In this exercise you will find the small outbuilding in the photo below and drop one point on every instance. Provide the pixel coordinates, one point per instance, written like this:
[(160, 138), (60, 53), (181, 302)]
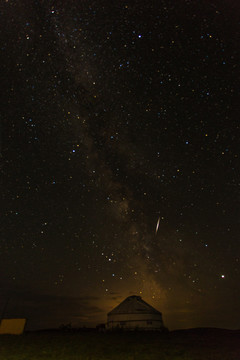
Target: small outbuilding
[(134, 314)]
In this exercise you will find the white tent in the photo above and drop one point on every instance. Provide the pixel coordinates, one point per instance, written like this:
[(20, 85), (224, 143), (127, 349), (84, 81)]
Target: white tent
[(12, 326), (134, 313)]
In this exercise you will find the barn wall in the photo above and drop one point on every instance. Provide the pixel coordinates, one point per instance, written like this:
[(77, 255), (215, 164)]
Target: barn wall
[(133, 321), (141, 325), (12, 326)]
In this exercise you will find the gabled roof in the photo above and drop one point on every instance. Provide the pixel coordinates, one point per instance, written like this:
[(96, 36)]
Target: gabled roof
[(134, 305)]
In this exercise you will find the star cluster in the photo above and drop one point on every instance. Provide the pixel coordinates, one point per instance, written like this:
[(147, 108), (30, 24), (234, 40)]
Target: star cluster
[(117, 114)]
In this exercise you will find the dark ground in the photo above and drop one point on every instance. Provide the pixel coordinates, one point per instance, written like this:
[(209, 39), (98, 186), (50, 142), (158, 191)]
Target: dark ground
[(193, 344)]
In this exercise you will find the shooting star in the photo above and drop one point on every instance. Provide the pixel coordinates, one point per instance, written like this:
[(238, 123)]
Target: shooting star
[(158, 222)]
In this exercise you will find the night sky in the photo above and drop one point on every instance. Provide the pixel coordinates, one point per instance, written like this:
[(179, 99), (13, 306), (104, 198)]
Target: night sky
[(118, 116)]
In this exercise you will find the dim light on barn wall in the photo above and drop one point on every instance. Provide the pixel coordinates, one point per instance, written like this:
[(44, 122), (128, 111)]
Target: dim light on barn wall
[(12, 326)]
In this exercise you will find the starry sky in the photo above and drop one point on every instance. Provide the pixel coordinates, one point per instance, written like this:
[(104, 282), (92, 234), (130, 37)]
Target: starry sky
[(118, 116)]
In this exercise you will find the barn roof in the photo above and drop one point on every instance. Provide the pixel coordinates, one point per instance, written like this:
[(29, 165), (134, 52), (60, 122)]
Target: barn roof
[(134, 305)]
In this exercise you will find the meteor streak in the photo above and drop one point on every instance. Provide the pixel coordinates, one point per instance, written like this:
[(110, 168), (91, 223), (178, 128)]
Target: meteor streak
[(157, 225)]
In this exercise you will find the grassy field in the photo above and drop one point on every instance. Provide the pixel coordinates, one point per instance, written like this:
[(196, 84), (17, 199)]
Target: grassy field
[(195, 344)]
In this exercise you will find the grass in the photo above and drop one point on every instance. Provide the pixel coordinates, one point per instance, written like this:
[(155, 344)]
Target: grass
[(207, 344)]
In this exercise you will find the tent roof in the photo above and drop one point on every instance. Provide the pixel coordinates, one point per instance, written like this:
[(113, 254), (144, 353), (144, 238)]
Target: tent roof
[(134, 305)]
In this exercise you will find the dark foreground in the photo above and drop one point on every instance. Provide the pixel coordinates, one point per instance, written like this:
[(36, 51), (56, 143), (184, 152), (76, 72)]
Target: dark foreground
[(194, 344)]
